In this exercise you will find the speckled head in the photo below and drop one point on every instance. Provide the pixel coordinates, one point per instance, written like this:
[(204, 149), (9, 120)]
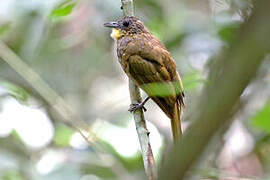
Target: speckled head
[(127, 26)]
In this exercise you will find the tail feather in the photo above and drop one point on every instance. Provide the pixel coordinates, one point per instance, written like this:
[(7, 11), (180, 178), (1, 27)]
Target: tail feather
[(176, 123), (173, 112)]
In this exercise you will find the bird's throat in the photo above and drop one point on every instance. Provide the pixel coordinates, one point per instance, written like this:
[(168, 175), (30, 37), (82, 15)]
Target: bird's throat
[(116, 34)]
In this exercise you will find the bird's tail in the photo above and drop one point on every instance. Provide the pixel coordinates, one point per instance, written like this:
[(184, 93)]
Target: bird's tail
[(173, 110), (176, 122)]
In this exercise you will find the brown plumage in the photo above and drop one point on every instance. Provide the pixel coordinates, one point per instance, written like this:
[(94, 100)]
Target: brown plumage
[(148, 63)]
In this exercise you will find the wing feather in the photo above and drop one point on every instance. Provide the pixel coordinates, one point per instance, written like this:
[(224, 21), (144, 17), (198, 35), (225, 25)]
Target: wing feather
[(151, 78), (154, 70)]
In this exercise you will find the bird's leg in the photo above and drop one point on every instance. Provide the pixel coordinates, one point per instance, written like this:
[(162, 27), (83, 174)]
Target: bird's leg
[(134, 107)]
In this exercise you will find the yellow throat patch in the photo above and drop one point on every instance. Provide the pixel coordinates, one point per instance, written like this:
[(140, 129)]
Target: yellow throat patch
[(116, 34)]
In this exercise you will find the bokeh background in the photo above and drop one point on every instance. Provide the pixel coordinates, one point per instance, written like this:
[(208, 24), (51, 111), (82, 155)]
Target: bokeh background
[(64, 41)]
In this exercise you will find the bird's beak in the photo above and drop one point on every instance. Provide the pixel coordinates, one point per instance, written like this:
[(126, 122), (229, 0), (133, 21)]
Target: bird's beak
[(112, 25)]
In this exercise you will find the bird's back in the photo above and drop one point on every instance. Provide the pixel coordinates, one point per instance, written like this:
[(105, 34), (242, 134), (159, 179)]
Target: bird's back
[(148, 63)]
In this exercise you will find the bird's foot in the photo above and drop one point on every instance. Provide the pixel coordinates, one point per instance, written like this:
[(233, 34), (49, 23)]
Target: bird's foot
[(134, 107)]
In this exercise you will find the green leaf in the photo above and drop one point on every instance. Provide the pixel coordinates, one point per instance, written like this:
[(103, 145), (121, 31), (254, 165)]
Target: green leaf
[(4, 28), (192, 81), (163, 89), (228, 32), (175, 41), (261, 120), (62, 135), (160, 89), (12, 175), (63, 9), (15, 91), (100, 171)]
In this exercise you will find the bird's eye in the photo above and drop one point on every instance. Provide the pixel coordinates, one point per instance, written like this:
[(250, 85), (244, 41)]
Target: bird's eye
[(125, 23)]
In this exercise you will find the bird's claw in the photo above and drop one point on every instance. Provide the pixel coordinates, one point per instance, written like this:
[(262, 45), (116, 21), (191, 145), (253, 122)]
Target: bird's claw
[(134, 107)]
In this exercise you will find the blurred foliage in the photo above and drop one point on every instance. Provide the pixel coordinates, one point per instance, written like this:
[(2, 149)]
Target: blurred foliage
[(62, 135), (12, 175), (102, 172), (130, 163), (190, 82), (65, 42), (261, 120), (63, 9), (228, 32), (4, 28), (14, 90)]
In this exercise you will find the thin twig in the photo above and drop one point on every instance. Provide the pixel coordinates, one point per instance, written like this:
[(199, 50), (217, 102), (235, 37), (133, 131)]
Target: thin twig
[(57, 103), (143, 133), (135, 97)]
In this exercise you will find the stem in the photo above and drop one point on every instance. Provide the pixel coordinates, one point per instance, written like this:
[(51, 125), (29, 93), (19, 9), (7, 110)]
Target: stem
[(135, 97), (143, 133), (128, 7), (57, 103)]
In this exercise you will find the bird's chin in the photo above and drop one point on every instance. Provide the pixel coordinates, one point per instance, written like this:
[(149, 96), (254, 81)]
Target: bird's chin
[(116, 34)]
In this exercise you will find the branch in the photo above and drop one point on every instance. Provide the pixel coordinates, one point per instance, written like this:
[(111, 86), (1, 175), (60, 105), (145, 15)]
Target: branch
[(135, 97), (128, 7), (143, 134), (57, 103), (229, 78)]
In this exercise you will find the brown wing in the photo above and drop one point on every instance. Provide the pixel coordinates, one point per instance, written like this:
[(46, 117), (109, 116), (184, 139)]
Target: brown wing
[(155, 80)]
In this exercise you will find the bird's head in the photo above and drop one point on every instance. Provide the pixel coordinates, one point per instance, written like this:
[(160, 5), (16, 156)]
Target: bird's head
[(129, 25)]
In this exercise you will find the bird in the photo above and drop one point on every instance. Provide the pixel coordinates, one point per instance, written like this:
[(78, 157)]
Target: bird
[(148, 63)]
